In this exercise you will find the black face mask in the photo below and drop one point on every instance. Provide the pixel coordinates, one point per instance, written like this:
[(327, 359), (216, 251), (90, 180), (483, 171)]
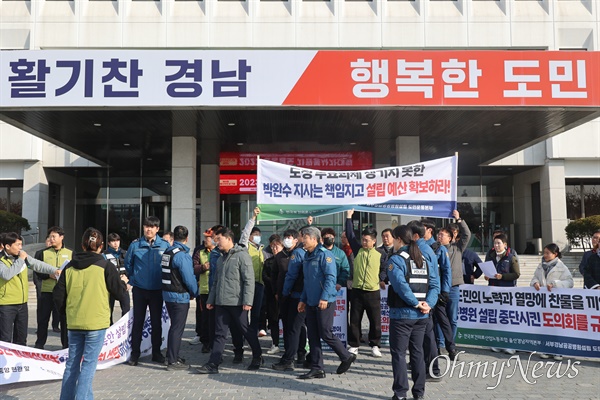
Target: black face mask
[(328, 241)]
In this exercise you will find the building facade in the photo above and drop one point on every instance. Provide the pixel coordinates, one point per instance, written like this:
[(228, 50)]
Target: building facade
[(549, 176)]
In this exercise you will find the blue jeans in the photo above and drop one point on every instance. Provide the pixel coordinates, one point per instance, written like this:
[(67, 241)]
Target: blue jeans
[(452, 313), (79, 374)]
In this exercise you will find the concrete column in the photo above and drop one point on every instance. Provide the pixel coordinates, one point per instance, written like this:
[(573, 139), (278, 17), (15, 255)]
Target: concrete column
[(381, 159), (408, 152), (554, 203), (35, 199), (210, 214), (183, 174)]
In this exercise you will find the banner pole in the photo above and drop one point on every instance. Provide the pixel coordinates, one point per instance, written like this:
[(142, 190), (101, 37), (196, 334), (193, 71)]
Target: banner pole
[(456, 180), (257, 186)]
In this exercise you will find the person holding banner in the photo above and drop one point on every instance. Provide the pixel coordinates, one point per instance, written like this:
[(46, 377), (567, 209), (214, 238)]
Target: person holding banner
[(82, 292), (14, 287), (369, 277), (413, 291), (318, 301), (507, 267)]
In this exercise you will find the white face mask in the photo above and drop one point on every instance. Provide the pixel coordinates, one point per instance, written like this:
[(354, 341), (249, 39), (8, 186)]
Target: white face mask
[(288, 243), (256, 239)]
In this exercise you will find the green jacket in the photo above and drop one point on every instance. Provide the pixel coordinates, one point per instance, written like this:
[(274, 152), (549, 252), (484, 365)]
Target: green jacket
[(83, 289), (14, 287), (56, 258), (369, 269)]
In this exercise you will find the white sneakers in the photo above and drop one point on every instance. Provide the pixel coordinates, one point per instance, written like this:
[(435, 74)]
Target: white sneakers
[(544, 356), (195, 340), (556, 357), (262, 333), (510, 351), (273, 350), (375, 352)]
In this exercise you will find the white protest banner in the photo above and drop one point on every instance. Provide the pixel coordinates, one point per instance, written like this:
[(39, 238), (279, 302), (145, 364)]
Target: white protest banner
[(340, 318), (424, 189), (385, 315), (561, 321), (24, 364)]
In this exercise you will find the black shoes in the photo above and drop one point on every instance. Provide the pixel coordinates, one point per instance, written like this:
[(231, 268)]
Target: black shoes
[(205, 349), (208, 368), (133, 361), (283, 366), (313, 374), (345, 365), (256, 363), (177, 366), (433, 379), (238, 358), (158, 358), (453, 355)]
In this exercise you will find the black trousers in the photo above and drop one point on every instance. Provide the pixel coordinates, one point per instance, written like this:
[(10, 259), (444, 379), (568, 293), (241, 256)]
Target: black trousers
[(142, 299), (125, 306), (45, 309), (440, 318), (226, 317), (255, 312), (408, 334), (319, 324), (202, 320), (272, 314), (178, 314), (13, 324), (430, 349), (294, 331), (370, 302)]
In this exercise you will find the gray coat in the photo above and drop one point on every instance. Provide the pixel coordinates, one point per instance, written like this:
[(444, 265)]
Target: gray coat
[(455, 251), (234, 283)]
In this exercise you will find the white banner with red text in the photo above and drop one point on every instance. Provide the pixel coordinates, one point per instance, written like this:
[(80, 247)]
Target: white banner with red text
[(424, 189), (25, 364), (561, 321)]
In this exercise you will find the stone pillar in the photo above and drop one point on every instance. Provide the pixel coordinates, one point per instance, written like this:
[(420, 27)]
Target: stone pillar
[(381, 159), (35, 199), (210, 211), (408, 152), (554, 203), (183, 174)]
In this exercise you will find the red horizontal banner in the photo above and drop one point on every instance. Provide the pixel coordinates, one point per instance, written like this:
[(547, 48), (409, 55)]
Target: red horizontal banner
[(328, 161), (237, 184), (450, 78)]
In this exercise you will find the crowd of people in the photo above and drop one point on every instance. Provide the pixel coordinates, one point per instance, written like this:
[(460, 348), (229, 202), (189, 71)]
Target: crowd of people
[(243, 288)]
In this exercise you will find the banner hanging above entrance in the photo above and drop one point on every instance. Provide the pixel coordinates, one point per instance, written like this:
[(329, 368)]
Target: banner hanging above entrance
[(425, 189), (247, 78)]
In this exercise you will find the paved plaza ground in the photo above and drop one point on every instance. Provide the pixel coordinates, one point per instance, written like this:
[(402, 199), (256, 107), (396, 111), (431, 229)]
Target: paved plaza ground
[(369, 378)]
